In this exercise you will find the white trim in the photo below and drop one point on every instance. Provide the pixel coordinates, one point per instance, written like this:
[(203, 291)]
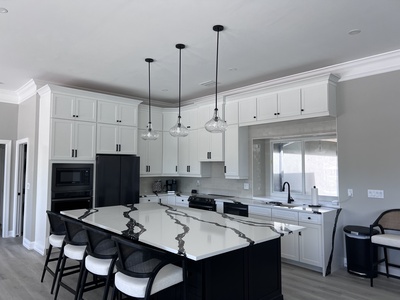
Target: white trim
[(18, 143), (6, 195)]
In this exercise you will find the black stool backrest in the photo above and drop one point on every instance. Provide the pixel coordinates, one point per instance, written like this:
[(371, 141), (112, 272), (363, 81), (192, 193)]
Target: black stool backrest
[(75, 234), (100, 244), (57, 225)]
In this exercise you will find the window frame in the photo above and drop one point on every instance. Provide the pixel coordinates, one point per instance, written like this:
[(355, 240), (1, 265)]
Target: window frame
[(301, 196)]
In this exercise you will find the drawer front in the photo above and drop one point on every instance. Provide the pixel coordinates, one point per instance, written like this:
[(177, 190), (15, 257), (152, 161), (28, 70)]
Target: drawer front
[(260, 211), (285, 214), (181, 201), (310, 218)]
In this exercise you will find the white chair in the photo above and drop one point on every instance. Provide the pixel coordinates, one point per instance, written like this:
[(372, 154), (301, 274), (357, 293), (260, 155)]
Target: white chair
[(144, 271), (56, 240), (74, 249), (388, 224), (100, 261)]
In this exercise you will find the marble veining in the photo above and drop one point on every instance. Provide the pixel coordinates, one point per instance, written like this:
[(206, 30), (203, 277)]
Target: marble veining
[(195, 233)]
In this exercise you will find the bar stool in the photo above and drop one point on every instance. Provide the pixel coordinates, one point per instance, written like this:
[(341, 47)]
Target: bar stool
[(56, 240), (143, 271), (100, 260), (74, 249)]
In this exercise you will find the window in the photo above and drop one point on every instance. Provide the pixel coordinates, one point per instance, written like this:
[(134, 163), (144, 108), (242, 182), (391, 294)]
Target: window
[(305, 163)]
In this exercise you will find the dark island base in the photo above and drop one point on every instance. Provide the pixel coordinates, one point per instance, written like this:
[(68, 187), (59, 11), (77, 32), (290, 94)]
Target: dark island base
[(251, 273)]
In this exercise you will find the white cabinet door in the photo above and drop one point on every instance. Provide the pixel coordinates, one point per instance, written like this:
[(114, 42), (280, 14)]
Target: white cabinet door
[(85, 146), (188, 162), (127, 115), (190, 118), (74, 108), (127, 140), (210, 145), (170, 154), (289, 103), (314, 99), (150, 153), (156, 118), (236, 152), (267, 107), (248, 110), (73, 140), (182, 201), (63, 106), (117, 113), (310, 244), (107, 138), (62, 139), (107, 112), (289, 243), (232, 113), (85, 109)]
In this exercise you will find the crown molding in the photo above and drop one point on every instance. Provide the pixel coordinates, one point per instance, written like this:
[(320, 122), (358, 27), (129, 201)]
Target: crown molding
[(359, 68)]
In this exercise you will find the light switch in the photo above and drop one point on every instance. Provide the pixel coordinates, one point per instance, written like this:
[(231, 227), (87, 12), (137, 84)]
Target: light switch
[(246, 186), (376, 194)]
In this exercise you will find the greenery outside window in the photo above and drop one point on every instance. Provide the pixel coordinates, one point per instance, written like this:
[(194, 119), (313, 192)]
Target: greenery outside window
[(305, 163)]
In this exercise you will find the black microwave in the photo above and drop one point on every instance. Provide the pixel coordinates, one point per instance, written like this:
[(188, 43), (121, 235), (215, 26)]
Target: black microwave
[(72, 177)]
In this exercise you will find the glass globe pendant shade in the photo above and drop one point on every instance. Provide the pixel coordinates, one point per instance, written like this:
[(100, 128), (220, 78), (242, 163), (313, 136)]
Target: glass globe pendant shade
[(179, 130), (150, 134), (216, 124)]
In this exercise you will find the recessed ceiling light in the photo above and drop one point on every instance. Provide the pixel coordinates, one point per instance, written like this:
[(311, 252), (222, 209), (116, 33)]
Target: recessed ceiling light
[(3, 10), (354, 32)]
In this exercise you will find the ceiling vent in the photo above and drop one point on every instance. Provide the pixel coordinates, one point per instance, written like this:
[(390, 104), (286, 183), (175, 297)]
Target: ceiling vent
[(208, 83)]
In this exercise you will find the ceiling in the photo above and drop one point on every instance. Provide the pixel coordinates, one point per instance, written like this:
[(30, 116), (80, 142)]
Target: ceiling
[(101, 45)]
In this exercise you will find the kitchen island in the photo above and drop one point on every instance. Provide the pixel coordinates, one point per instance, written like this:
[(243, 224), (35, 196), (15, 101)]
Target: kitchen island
[(228, 257)]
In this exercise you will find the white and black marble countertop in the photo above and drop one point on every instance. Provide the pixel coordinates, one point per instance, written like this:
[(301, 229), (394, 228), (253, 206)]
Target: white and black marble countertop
[(198, 234)]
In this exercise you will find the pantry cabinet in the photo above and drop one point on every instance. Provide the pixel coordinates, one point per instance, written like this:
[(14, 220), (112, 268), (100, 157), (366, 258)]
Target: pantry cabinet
[(150, 152)]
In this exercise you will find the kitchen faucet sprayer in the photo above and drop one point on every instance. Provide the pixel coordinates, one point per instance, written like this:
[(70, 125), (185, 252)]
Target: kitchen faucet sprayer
[(289, 199)]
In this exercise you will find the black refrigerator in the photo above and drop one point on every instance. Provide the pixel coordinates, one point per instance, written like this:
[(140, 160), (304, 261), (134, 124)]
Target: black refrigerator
[(117, 179)]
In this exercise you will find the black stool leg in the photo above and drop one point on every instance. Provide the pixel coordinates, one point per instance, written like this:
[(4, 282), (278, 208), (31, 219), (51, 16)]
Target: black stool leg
[(57, 270), (46, 262), (60, 275)]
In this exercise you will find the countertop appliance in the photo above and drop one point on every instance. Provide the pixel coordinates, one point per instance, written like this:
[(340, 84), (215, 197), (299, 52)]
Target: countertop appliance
[(171, 185), (71, 186), (236, 208), (117, 179), (202, 201)]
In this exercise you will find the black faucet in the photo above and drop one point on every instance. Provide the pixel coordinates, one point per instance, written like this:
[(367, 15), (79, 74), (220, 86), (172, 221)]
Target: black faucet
[(289, 198)]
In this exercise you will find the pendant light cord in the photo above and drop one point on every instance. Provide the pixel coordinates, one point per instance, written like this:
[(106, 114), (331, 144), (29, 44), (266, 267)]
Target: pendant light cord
[(216, 73), (149, 95), (180, 79)]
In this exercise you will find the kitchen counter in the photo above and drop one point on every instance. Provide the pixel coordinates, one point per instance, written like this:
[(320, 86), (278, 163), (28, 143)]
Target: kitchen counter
[(227, 255), (198, 234)]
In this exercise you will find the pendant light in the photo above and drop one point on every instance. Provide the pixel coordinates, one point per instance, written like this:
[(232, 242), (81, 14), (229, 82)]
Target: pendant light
[(150, 134), (216, 124), (179, 130)]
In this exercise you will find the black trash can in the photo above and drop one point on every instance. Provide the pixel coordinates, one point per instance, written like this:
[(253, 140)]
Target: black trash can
[(358, 241)]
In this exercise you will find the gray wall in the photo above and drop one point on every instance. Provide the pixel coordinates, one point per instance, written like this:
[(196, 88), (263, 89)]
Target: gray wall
[(368, 145), (27, 116)]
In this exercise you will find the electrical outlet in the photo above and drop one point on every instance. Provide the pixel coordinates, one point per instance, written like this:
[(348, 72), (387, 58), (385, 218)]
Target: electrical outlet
[(246, 186), (376, 194), (350, 193)]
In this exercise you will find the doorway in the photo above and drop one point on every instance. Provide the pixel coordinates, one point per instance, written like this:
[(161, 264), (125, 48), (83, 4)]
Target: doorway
[(5, 175), (20, 186)]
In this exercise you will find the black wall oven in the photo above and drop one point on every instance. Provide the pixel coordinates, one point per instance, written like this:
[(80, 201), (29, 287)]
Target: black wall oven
[(71, 186)]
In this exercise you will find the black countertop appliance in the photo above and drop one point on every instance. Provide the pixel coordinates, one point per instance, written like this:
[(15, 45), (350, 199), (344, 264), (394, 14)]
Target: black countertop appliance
[(117, 180), (171, 185)]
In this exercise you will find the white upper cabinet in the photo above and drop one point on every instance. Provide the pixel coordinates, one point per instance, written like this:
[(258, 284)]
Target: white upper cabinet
[(210, 145), (73, 108), (312, 97), (170, 144), (156, 117), (72, 140), (112, 139), (117, 113), (150, 152), (190, 118)]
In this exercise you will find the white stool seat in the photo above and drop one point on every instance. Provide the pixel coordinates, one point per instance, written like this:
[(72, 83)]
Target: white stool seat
[(56, 240), (97, 266), (168, 276), (74, 251), (387, 239)]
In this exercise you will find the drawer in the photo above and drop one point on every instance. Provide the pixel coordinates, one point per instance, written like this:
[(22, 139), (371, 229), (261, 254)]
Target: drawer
[(310, 218), (260, 211), (285, 214), (181, 201)]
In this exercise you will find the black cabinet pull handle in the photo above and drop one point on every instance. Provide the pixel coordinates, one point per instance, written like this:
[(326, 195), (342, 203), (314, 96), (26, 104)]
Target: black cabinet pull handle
[(72, 154), (254, 117), (176, 168), (76, 153), (302, 109), (224, 169), (274, 114), (119, 147), (116, 147), (73, 116), (299, 233), (309, 218), (76, 116)]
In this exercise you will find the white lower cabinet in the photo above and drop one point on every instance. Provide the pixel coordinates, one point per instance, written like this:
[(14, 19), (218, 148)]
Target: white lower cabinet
[(310, 244), (182, 201)]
